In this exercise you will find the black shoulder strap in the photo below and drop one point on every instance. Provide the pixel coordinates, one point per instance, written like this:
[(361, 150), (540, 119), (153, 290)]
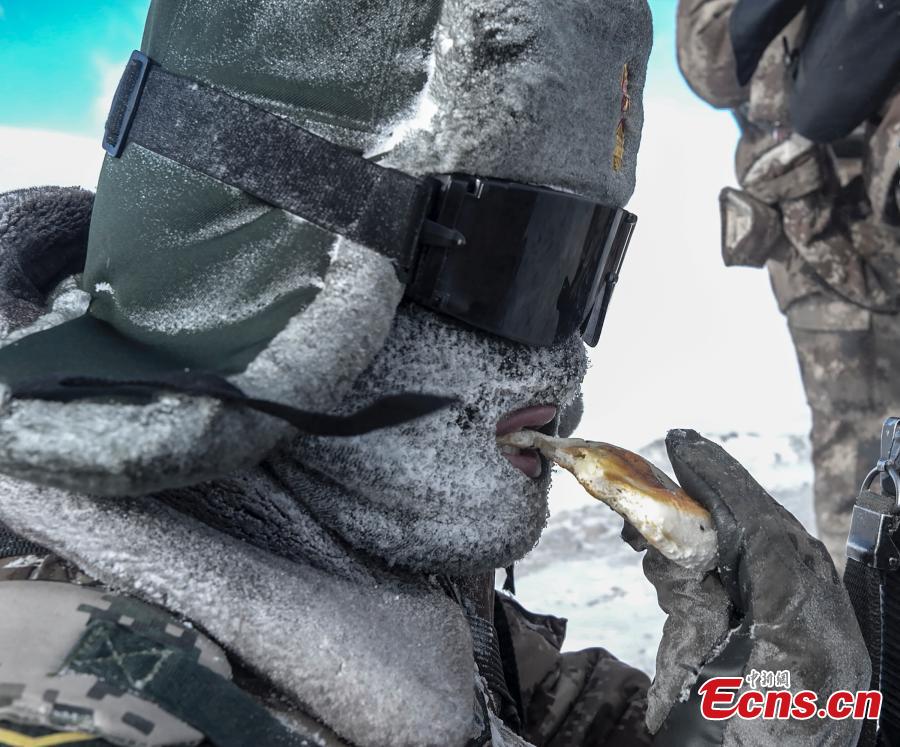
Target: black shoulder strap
[(267, 156), (872, 578)]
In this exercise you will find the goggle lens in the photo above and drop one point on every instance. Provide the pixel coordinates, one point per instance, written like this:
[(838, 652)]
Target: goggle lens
[(536, 265)]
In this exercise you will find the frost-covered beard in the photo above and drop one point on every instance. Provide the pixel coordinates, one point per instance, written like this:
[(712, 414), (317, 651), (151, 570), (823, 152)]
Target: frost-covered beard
[(435, 495)]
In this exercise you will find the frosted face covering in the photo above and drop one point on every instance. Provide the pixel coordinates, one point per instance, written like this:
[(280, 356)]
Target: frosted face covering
[(529, 264), (436, 494)]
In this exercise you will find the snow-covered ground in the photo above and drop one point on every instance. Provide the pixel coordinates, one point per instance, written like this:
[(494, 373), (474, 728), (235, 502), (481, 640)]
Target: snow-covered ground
[(583, 571)]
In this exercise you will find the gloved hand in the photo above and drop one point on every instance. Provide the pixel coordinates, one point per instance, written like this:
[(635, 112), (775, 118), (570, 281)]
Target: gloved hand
[(775, 603)]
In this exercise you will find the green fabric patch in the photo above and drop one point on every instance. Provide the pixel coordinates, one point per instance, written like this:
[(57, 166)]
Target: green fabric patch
[(186, 272), (349, 64), (127, 661), (118, 658), (82, 347), (88, 347), (200, 273)]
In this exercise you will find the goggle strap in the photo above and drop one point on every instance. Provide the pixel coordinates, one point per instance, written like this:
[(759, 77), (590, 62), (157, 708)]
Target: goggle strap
[(270, 158)]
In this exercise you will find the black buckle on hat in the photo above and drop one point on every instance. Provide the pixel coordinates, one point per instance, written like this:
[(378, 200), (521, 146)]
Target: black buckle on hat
[(125, 103), (439, 229)]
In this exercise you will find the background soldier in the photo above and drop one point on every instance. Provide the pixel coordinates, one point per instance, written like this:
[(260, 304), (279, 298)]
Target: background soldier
[(819, 209)]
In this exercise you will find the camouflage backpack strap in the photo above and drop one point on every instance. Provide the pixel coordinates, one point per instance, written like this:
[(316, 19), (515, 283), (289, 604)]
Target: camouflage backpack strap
[(101, 665)]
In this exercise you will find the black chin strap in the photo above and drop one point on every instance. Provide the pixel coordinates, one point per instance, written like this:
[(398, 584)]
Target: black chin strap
[(383, 413)]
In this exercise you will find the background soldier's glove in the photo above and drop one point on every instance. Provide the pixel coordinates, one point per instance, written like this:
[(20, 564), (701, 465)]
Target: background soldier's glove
[(775, 603)]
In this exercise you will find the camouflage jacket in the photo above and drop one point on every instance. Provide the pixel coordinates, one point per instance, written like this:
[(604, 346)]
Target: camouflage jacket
[(82, 665), (825, 217)]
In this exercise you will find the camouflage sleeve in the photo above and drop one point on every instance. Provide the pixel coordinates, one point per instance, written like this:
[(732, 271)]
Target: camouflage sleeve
[(593, 698), (571, 699), (882, 164), (705, 55)]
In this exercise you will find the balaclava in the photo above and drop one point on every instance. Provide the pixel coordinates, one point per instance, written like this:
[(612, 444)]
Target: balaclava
[(436, 495)]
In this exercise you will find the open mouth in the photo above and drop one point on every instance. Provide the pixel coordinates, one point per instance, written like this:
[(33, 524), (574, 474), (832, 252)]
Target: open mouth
[(539, 418)]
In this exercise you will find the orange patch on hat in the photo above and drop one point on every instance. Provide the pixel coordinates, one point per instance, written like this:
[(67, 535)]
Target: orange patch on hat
[(619, 150)]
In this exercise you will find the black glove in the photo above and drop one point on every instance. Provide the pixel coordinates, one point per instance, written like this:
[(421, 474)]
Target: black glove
[(775, 603)]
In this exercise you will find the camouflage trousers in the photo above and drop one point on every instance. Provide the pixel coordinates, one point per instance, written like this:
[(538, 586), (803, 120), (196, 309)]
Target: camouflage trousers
[(850, 363)]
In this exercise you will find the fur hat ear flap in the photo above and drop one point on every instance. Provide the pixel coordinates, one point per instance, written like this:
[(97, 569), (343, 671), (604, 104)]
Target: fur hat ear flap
[(43, 242)]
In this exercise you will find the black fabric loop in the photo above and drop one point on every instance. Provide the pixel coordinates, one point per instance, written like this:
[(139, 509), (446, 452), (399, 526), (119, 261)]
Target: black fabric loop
[(383, 413)]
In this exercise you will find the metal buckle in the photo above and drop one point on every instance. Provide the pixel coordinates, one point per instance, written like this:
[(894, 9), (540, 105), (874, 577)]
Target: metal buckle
[(876, 517), (871, 538), (888, 465), (125, 103)]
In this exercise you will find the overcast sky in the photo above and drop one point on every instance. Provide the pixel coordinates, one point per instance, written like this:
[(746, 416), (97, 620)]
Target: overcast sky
[(686, 343)]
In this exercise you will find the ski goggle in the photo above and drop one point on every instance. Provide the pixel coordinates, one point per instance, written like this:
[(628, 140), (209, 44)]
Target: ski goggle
[(529, 264)]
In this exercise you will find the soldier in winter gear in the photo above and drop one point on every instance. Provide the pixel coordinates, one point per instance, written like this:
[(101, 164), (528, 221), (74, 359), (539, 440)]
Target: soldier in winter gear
[(819, 168), (180, 566)]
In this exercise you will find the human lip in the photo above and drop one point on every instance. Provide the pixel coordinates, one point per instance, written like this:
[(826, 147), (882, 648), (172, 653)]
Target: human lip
[(528, 461)]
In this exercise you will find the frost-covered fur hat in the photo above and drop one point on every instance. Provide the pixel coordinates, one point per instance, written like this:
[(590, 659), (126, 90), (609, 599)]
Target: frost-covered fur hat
[(184, 273)]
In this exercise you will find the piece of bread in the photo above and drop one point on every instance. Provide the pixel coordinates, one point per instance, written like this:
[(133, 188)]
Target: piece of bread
[(668, 518)]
